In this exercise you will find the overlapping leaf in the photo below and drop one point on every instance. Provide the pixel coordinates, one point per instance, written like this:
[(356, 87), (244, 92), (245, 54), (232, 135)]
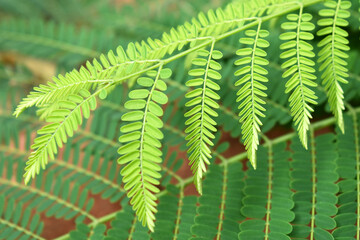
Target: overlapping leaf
[(251, 93), (125, 226), (141, 154), (219, 206), (333, 53), (17, 222), (63, 123), (314, 176), (84, 232), (268, 197), (51, 193), (200, 116), (176, 215), (138, 58), (299, 69), (348, 220)]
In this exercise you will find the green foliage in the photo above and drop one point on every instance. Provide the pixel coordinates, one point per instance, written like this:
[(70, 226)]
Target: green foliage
[(201, 113), (252, 90), (299, 69), (333, 54), (49, 40), (176, 215), (142, 136), (222, 188), (315, 186), (294, 193), (125, 226), (63, 121), (268, 197), (84, 232), (16, 221), (348, 145), (55, 198)]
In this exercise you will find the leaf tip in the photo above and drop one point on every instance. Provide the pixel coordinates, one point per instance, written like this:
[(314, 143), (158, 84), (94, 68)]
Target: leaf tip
[(27, 178), (341, 126), (16, 113), (198, 185), (253, 162)]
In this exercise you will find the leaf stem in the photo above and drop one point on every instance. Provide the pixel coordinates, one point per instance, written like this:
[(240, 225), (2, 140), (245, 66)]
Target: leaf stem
[(269, 187), (21, 229), (313, 181)]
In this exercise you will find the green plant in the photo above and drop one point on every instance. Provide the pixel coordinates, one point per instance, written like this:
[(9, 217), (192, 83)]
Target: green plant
[(307, 190)]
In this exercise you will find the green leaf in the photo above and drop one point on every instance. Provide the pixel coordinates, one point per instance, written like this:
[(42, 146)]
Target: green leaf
[(201, 101), (159, 97), (251, 90), (145, 81), (299, 68), (332, 65), (139, 94), (132, 116), (140, 154)]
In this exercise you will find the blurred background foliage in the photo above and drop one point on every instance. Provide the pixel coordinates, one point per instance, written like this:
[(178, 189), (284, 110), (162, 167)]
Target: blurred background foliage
[(39, 39)]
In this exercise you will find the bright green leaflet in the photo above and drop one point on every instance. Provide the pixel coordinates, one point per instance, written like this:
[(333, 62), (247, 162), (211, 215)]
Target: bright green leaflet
[(69, 98)]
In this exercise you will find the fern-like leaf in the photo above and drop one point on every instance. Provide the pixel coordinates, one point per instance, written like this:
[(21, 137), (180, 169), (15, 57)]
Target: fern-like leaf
[(125, 226), (12, 228), (53, 193), (176, 215), (333, 54), (84, 232), (72, 83), (63, 123), (269, 212), (200, 122), (251, 92), (314, 178), (348, 167), (299, 69), (61, 42), (142, 136), (223, 188)]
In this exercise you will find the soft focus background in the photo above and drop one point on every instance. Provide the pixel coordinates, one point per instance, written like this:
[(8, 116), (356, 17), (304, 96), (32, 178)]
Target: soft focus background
[(40, 39)]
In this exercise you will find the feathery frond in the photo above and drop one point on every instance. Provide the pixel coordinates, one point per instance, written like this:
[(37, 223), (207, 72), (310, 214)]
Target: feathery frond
[(314, 178), (63, 123), (141, 155), (300, 69), (61, 42), (84, 232), (269, 212), (176, 215), (348, 220), (54, 196), (222, 188), (17, 222), (200, 122), (333, 54), (252, 90), (315, 190), (50, 95), (125, 226)]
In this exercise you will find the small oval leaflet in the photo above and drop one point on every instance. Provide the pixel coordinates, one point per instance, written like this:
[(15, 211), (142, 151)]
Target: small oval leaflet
[(139, 94), (165, 73), (159, 97), (133, 116), (161, 85), (145, 81), (155, 109), (135, 104), (103, 94), (216, 54)]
